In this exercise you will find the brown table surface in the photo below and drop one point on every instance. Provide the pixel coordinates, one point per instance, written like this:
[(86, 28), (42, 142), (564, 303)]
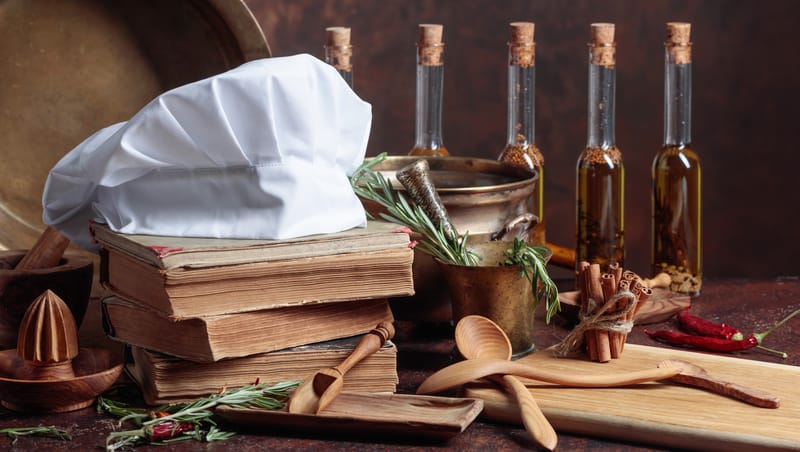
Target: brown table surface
[(751, 305)]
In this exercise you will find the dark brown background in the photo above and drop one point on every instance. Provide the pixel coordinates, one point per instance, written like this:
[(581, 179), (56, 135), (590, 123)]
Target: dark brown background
[(745, 103)]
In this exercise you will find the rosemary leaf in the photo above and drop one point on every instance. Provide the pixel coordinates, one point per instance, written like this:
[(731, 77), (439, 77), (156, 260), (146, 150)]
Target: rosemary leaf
[(177, 422), (52, 432)]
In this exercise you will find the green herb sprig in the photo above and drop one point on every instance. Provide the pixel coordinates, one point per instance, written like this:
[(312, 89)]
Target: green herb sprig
[(531, 261), (372, 186), (52, 432), (186, 421)]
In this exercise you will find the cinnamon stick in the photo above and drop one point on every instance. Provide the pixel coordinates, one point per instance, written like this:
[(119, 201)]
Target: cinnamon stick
[(46, 252), (608, 283), (596, 294), (583, 289)]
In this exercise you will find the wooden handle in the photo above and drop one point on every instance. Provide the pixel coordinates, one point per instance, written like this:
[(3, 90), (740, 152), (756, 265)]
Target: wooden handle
[(532, 417), (562, 256), (369, 344), (662, 280), (46, 252), (472, 369), (753, 396)]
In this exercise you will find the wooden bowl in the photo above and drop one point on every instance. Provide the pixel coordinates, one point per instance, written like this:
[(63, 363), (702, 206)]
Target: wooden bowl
[(71, 280), (95, 371)]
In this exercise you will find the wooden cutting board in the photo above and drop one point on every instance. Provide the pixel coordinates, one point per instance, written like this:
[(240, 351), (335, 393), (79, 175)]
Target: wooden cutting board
[(663, 414)]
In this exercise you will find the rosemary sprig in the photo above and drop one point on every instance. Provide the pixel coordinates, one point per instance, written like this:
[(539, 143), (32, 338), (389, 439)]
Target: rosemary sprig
[(185, 421), (52, 432), (531, 261), (372, 186)]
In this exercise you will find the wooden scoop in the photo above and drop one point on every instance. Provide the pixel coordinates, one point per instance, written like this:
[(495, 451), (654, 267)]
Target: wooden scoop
[(694, 375), (465, 371), (479, 337), (319, 390)]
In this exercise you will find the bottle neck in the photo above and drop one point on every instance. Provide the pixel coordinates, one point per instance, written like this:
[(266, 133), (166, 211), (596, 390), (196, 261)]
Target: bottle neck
[(677, 101), (521, 103), (339, 56), (430, 82), (602, 92)]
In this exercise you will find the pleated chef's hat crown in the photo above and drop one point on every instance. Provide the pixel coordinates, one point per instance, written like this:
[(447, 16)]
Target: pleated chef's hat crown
[(261, 151)]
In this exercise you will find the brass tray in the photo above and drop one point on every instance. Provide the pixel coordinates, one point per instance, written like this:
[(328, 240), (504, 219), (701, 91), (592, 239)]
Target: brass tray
[(72, 67)]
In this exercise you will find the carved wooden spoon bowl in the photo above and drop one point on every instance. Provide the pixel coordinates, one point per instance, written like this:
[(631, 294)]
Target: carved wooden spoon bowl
[(321, 388), (478, 337)]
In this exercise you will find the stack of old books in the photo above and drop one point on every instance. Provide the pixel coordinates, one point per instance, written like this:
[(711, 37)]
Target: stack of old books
[(201, 314)]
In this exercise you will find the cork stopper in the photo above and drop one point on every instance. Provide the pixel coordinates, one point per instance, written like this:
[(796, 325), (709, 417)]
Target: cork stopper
[(603, 47), (522, 49), (337, 45), (679, 44), (430, 46)]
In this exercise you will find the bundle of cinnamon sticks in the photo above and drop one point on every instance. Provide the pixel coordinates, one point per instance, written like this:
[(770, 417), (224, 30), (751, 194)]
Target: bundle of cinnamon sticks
[(609, 303)]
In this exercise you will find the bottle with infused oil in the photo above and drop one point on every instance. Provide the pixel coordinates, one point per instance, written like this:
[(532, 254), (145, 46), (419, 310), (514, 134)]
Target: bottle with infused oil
[(676, 203), (600, 173), (430, 87), (338, 51), (520, 146)]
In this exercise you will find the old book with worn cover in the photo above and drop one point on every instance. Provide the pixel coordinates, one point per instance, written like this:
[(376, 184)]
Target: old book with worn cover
[(167, 379), (186, 292), (216, 337), (197, 252)]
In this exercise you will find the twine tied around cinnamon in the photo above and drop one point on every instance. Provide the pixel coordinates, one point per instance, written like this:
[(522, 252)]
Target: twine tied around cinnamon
[(593, 317), (609, 303)]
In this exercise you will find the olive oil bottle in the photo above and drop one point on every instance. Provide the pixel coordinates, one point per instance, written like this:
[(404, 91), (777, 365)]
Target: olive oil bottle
[(429, 95), (339, 51), (676, 174), (600, 172), (520, 146)]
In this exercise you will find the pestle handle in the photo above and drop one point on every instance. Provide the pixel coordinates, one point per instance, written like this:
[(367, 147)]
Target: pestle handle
[(46, 252), (416, 179)]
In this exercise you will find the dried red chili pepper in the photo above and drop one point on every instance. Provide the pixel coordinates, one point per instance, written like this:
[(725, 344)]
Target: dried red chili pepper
[(170, 429), (717, 343), (707, 343), (698, 325)]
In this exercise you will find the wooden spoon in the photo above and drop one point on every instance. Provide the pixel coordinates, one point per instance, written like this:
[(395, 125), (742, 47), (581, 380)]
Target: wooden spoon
[(479, 337), (465, 371), (319, 390), (694, 375)]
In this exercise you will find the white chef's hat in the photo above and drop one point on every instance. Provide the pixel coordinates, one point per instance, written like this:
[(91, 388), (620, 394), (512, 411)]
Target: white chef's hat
[(261, 151)]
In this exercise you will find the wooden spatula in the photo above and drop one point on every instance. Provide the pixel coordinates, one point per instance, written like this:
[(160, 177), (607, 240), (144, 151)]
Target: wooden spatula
[(320, 389)]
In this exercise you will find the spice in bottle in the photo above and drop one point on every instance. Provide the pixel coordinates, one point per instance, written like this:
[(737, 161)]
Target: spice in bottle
[(600, 173), (430, 87), (520, 146), (676, 174), (338, 51)]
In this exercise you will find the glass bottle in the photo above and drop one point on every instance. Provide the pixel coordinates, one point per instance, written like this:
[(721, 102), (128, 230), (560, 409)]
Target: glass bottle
[(338, 51), (676, 203), (520, 148), (430, 84), (600, 172)]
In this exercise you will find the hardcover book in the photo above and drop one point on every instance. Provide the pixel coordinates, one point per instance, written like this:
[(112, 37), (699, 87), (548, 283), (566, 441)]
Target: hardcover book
[(212, 338), (186, 292), (167, 252), (167, 379)]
